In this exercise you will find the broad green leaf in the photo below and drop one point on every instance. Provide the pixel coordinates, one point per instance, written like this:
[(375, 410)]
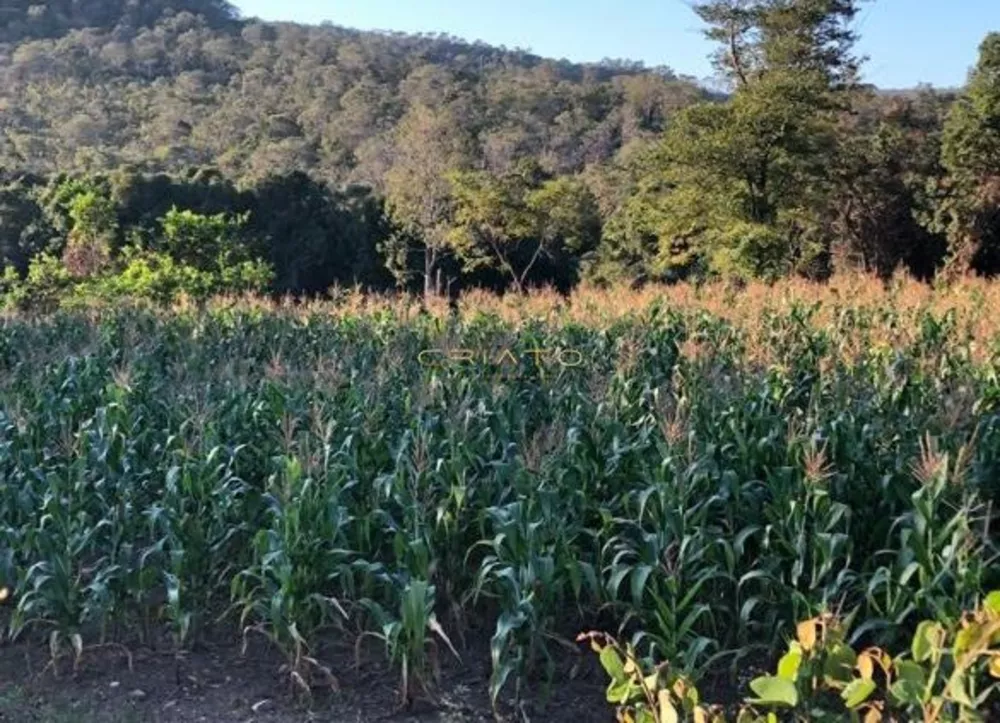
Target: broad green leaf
[(620, 692), (857, 692), (967, 637), (958, 691), (613, 665), (992, 602), (925, 641), (772, 690), (788, 666), (910, 683), (838, 668)]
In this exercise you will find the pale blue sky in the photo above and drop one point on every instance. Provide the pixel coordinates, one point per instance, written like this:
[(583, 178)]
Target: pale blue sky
[(908, 41)]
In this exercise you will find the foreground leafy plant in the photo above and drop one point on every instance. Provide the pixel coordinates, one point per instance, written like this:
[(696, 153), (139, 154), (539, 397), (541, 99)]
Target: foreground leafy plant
[(948, 676), (643, 693)]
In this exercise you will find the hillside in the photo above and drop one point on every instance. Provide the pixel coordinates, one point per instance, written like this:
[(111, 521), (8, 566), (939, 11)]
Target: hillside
[(174, 83), (135, 136)]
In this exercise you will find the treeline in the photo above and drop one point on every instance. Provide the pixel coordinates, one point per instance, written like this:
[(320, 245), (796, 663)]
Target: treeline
[(324, 157), (159, 236), (199, 233)]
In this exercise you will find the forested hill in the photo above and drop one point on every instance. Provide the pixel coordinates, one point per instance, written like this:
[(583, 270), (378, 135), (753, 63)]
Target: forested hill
[(167, 147), (27, 19), (169, 84)]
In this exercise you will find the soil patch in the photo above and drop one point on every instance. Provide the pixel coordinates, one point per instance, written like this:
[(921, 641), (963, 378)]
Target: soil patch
[(217, 683)]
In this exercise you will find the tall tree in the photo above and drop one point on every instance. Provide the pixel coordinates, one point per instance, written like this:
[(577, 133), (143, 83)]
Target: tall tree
[(317, 237), (94, 226), (204, 242), (890, 152), (429, 145), (969, 202), (746, 178)]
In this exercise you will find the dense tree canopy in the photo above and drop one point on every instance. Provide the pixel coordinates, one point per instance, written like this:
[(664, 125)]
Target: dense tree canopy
[(174, 83), (745, 179), (24, 19), (969, 210)]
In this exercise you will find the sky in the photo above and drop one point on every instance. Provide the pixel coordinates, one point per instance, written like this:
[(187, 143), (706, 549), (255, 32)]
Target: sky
[(907, 41)]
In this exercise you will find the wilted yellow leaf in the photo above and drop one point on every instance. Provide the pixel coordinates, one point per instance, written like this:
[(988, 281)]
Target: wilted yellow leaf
[(668, 714), (995, 666), (865, 666), (806, 632)]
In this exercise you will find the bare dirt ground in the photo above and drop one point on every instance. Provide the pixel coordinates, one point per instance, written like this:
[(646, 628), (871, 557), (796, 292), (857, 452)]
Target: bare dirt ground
[(218, 684)]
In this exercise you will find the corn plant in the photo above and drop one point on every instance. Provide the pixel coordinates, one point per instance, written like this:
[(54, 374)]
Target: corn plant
[(720, 466), (411, 639), (284, 593), (939, 564), (527, 570)]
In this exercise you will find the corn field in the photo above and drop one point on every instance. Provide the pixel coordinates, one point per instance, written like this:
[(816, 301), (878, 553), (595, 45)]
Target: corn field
[(694, 472)]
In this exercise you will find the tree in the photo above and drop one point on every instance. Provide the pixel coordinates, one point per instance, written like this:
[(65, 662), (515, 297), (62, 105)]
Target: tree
[(567, 224), (92, 232), (296, 218), (142, 199), (759, 37), (317, 237), (160, 278), (890, 151), (969, 200), (633, 195), (513, 220), (204, 242), (429, 145), (746, 179), (24, 232)]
